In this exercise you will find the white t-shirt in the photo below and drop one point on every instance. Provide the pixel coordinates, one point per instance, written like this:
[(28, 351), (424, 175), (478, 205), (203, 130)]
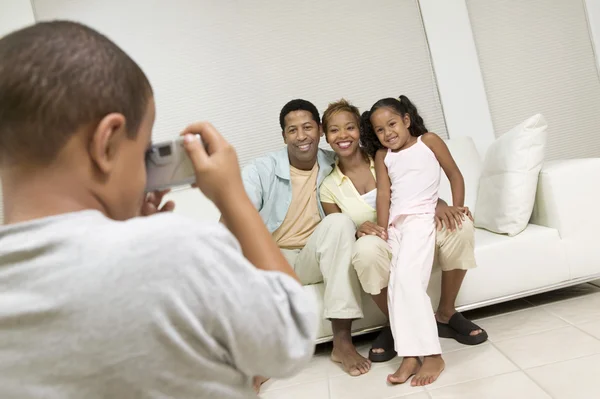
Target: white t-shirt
[(156, 307)]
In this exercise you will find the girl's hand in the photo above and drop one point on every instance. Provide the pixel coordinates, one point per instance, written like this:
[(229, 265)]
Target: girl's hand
[(372, 229), (451, 216)]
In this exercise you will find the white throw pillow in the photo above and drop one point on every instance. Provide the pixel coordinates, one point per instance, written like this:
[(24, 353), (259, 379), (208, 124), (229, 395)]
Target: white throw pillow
[(509, 178)]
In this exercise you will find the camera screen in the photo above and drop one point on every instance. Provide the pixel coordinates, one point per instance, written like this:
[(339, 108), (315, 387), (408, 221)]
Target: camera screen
[(164, 151)]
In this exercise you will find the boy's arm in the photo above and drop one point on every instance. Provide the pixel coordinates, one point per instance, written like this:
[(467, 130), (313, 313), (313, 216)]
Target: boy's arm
[(441, 152), (384, 190)]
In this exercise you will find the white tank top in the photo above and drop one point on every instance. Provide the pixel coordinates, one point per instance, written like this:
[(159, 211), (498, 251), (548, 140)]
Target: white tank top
[(415, 178), (370, 198)]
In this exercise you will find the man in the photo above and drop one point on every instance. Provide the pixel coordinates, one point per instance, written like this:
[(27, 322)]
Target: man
[(96, 302), (284, 187)]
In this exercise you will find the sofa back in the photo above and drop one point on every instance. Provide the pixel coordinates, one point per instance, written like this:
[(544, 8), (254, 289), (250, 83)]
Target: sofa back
[(469, 162)]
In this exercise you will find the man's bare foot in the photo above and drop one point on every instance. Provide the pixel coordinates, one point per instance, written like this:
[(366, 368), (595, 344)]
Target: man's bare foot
[(352, 362), (257, 383), (429, 372), (409, 367)]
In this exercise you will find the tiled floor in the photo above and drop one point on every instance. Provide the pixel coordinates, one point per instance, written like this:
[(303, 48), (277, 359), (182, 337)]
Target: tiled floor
[(545, 346)]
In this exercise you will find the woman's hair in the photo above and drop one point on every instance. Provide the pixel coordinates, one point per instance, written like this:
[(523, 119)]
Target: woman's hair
[(401, 106), (339, 106)]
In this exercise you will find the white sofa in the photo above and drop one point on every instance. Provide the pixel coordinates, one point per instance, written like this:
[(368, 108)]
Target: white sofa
[(556, 249)]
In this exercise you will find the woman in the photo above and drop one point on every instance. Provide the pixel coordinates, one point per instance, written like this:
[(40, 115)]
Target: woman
[(350, 188)]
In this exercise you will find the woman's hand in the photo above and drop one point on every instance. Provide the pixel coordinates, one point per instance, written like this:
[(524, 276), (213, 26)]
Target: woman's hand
[(451, 216), (372, 229)]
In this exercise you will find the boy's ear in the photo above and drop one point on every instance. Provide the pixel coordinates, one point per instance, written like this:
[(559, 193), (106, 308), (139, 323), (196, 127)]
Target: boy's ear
[(105, 141), (284, 138)]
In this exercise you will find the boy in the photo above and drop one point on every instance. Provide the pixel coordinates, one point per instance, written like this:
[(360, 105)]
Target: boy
[(96, 302)]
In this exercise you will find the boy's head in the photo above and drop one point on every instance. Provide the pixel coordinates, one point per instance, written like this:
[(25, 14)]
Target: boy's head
[(301, 128), (72, 100)]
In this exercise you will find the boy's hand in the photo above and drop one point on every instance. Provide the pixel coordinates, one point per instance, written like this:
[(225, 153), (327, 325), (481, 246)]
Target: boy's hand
[(215, 162), (152, 203)]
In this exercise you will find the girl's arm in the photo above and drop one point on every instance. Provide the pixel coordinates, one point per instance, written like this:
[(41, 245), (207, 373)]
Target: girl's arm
[(441, 152), (384, 189)]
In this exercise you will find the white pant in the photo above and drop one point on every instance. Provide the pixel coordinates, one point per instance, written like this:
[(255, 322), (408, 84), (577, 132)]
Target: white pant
[(412, 241)]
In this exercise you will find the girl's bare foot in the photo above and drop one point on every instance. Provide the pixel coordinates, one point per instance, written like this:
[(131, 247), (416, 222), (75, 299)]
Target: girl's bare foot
[(429, 372), (257, 383), (409, 367)]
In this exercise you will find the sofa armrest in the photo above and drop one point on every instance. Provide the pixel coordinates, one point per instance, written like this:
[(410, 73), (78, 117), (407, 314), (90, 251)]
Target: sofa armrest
[(567, 193)]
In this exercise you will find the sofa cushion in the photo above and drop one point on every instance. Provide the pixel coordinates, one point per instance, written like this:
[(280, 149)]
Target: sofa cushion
[(467, 158), (509, 265), (509, 178)]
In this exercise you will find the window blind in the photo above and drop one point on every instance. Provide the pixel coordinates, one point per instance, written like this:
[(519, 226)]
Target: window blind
[(537, 56), (236, 63)]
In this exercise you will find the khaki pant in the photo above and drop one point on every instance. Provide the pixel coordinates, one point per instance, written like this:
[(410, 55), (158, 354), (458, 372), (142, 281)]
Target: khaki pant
[(327, 258), (371, 256)]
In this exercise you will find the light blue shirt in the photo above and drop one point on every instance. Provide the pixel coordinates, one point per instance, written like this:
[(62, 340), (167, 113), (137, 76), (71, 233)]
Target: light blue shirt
[(267, 182)]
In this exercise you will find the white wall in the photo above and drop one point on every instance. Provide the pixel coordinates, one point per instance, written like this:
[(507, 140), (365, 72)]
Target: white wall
[(15, 14), (456, 67)]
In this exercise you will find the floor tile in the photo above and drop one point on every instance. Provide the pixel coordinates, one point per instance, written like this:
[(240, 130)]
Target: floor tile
[(577, 311), (420, 395), (573, 379), (592, 328), (549, 347), (562, 294), (520, 323), (494, 310), (319, 368), (512, 385), (311, 390), (451, 345), (372, 385), (471, 364)]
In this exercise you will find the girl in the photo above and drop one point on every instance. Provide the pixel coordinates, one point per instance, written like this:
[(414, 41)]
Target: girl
[(407, 165)]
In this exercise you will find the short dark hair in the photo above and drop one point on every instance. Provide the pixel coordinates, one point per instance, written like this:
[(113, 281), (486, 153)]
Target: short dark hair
[(57, 77), (298, 105)]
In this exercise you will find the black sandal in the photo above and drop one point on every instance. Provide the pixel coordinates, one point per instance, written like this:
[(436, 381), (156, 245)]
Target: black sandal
[(459, 328), (384, 341)]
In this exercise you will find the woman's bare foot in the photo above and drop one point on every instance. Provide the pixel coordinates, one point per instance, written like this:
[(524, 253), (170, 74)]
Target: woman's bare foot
[(352, 362), (257, 383), (409, 367), (429, 372)]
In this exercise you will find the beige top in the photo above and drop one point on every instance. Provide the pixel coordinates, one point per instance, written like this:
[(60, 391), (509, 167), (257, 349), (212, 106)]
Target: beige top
[(303, 215), (338, 189)]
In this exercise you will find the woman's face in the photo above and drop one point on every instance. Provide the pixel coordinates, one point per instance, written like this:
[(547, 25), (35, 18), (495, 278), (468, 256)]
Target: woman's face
[(343, 133)]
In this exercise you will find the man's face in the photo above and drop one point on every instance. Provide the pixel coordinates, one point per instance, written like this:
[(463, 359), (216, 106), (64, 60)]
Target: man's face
[(301, 134)]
